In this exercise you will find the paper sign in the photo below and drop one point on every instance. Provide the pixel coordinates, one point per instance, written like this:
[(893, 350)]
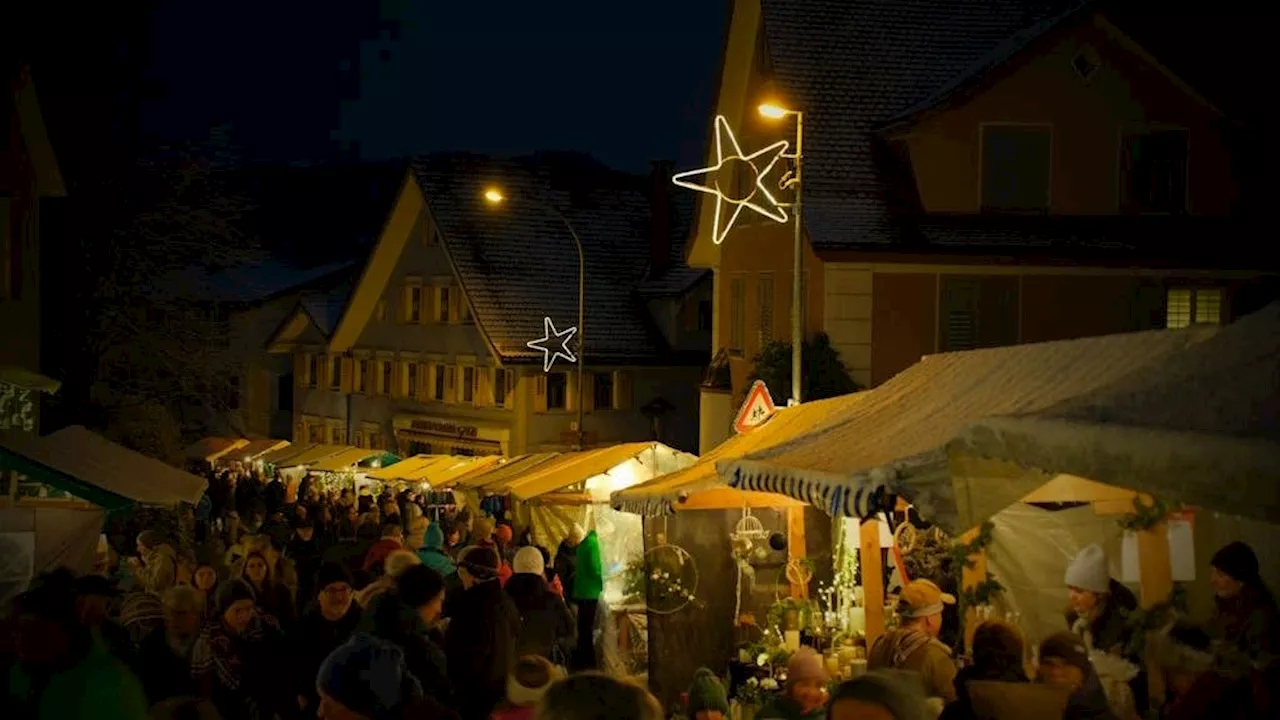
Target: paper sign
[(1130, 570), (1182, 550)]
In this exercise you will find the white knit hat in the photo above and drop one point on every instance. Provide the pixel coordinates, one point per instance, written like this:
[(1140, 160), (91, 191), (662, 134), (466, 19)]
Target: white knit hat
[(1088, 571), (528, 560)]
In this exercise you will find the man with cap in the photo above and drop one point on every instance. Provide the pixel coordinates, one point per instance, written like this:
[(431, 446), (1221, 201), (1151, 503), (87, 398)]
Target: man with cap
[(327, 623), (707, 698), (914, 645)]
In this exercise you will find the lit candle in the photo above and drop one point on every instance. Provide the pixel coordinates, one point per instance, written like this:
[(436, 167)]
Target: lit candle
[(791, 639), (858, 619)]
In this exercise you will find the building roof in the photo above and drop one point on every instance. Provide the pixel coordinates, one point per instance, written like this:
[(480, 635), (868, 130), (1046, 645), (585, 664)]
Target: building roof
[(854, 65), (518, 263), (676, 277), (256, 282)]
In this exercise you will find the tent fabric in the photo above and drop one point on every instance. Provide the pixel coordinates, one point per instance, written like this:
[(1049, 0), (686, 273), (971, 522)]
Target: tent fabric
[(663, 495), (86, 458), (476, 473), (286, 453), (256, 448), (311, 456), (448, 476), (405, 467), (212, 448), (1202, 427), (27, 380), (885, 436), (64, 537), (345, 459), (574, 468), (502, 475), (438, 465)]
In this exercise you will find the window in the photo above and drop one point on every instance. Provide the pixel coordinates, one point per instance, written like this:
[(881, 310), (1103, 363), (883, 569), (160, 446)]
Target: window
[(464, 451), (362, 376), (442, 307), (313, 370), (978, 312), (384, 387), (337, 435), (1154, 172), (413, 304), (468, 384), (284, 393), (335, 373), (557, 391), (737, 313), (1185, 307), (1015, 167), (359, 439), (602, 391), (499, 387), (439, 394), (1086, 63), (764, 299), (233, 393), (315, 433), (411, 378)]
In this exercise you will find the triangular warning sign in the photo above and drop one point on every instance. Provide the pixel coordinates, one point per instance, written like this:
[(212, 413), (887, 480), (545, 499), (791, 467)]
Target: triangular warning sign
[(758, 408)]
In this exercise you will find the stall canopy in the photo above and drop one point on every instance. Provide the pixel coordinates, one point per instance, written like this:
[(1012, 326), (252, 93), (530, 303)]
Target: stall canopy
[(1201, 427), (95, 469), (600, 469), (699, 486), (897, 434), (258, 448), (345, 459), (310, 457), (286, 453), (501, 475), (404, 468), (211, 448), (447, 476)]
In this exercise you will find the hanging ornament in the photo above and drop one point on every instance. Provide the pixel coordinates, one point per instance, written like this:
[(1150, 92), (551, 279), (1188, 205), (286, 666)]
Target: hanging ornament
[(778, 541)]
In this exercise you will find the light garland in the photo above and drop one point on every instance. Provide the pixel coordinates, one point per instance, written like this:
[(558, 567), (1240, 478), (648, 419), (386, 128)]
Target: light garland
[(553, 344)]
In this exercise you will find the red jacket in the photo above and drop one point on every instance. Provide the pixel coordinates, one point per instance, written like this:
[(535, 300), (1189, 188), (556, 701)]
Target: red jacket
[(379, 552)]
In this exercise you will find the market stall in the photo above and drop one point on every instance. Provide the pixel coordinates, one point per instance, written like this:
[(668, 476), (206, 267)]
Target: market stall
[(209, 450), (254, 451)]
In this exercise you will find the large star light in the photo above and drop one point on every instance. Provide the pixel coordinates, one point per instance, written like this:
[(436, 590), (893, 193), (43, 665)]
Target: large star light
[(719, 179), (553, 344)]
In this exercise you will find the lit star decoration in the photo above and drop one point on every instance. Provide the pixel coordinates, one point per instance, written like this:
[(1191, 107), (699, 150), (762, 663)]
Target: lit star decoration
[(553, 344), (718, 180)]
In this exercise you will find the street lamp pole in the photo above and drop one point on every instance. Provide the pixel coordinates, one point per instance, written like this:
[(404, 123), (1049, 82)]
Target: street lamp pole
[(495, 197), (797, 332)]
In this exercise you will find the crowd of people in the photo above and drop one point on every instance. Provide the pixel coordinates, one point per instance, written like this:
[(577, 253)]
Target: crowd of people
[(328, 603)]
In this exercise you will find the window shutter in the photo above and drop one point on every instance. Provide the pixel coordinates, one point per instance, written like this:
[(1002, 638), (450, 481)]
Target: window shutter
[(425, 298), (348, 368), (453, 305), (622, 390), (429, 382), (540, 393), (483, 392), (571, 391), (299, 432), (397, 379), (588, 392), (451, 384), (424, 380)]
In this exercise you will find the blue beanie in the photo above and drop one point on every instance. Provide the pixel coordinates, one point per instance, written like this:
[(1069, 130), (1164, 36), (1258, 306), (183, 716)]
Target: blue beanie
[(368, 676)]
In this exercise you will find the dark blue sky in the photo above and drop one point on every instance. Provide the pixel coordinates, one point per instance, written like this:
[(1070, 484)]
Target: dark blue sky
[(296, 81)]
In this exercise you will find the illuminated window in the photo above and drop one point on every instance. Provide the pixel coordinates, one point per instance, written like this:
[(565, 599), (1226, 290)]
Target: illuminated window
[(1185, 307)]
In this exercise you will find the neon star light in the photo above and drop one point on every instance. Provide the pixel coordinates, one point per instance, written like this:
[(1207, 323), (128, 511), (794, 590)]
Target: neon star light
[(718, 180), (553, 344)]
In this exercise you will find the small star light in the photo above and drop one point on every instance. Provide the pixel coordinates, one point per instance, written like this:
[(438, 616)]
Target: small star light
[(718, 180), (553, 344)]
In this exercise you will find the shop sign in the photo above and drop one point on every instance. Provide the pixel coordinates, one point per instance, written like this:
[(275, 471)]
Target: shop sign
[(447, 429)]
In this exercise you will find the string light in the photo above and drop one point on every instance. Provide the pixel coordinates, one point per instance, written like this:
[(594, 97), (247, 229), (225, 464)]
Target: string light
[(714, 180), (553, 344)]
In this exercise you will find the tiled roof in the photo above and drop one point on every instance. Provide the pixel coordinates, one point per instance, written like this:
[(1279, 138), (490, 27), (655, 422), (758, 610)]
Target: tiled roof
[(249, 283), (854, 65), (517, 263), (676, 278)]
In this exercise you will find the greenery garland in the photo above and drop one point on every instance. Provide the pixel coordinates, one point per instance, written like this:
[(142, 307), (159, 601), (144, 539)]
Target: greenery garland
[(962, 558), (778, 612), (1145, 516), (1142, 621)]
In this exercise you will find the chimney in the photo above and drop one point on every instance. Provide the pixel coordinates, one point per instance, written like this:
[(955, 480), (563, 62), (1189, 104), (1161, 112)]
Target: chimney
[(660, 217)]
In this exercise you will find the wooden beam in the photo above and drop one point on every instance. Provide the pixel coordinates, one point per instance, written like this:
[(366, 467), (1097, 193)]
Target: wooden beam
[(872, 579), (796, 546), (969, 578), (727, 498)]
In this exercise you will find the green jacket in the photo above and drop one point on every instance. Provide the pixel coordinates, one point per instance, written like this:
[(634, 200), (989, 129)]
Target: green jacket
[(588, 580), (99, 687)]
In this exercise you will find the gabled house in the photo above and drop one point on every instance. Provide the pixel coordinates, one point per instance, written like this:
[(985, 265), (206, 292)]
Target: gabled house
[(975, 175), (29, 174), (430, 354)]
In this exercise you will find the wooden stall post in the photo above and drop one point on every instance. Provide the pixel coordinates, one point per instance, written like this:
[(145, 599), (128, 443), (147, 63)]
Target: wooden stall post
[(970, 577), (872, 579), (796, 546)]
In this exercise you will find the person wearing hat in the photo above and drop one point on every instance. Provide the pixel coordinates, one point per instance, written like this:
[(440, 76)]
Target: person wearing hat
[(485, 536), (95, 597), (879, 695), (1064, 663), (234, 662), (480, 641), (594, 695), (914, 645), (1244, 618), (526, 684), (548, 627), (329, 620), (1097, 604), (366, 679), (707, 698), (804, 695), (566, 560)]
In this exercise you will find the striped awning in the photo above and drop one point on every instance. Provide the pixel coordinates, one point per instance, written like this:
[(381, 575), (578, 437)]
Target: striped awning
[(492, 481), (287, 452), (258, 448), (894, 437), (311, 456), (344, 460), (668, 493), (212, 448)]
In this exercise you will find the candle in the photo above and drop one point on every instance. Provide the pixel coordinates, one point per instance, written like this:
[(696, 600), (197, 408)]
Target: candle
[(858, 619), (833, 665), (791, 639)]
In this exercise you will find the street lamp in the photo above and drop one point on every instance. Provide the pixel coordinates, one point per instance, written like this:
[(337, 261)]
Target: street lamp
[(777, 112), (495, 197)]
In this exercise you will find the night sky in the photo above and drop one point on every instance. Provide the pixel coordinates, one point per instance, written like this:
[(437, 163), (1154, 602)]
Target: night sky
[(303, 82)]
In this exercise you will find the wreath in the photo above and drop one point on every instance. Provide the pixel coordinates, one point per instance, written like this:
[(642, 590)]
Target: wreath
[(1145, 516)]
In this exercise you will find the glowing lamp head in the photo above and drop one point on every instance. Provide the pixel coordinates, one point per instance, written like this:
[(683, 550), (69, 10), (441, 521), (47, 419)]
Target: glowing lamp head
[(494, 196), (772, 111)]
